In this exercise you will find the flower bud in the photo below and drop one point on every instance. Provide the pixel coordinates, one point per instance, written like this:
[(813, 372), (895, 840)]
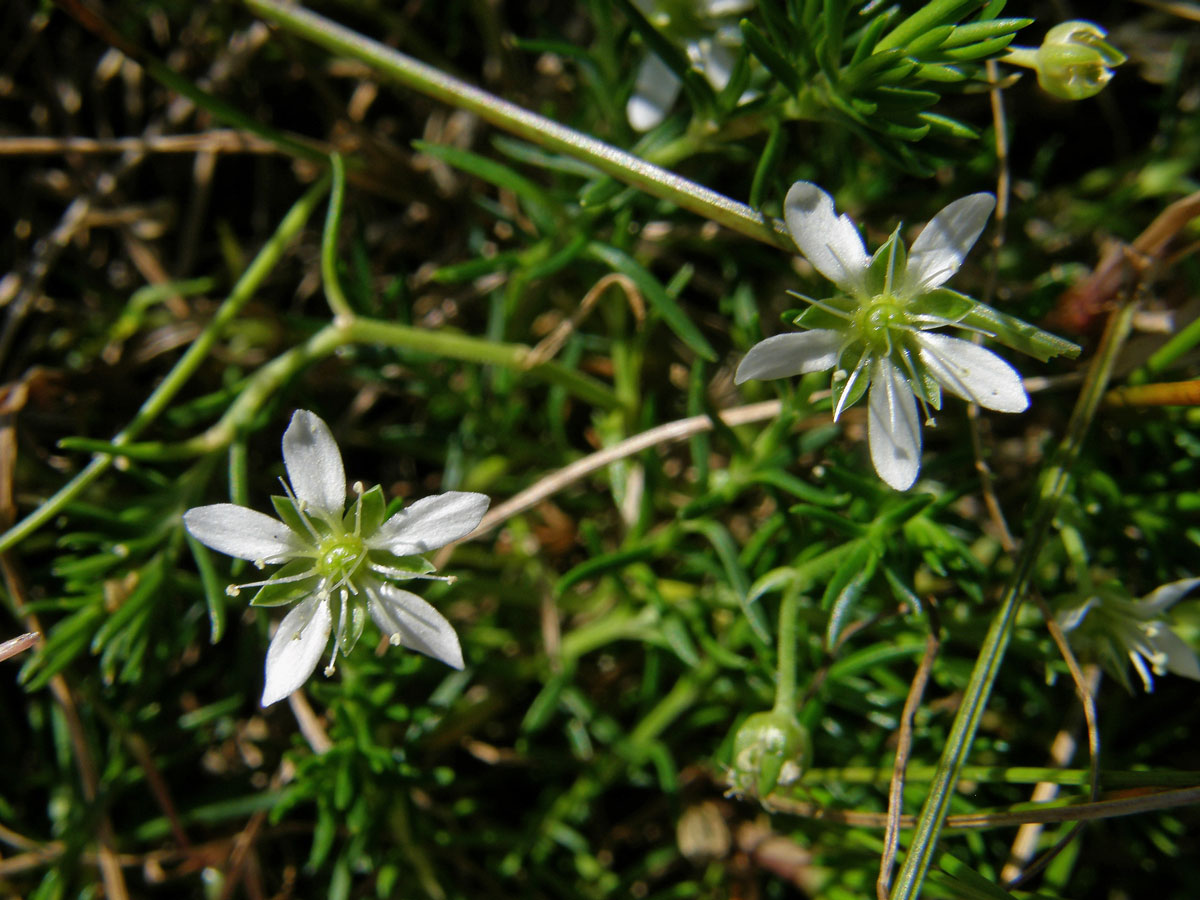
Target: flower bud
[(1074, 61), (769, 749)]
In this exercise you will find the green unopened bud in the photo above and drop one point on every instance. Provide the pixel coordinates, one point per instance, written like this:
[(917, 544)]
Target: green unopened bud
[(769, 749), (1074, 61)]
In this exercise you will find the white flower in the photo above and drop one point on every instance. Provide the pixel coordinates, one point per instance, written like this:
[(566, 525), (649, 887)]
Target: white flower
[(337, 563), (1109, 625), (707, 43), (878, 332)]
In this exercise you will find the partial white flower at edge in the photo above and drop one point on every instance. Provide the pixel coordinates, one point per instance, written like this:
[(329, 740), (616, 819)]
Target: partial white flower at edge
[(877, 332), (709, 50), (1111, 627), (341, 565)]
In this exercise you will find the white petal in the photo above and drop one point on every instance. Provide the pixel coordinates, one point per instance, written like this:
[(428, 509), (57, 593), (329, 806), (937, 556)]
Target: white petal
[(1180, 658), (654, 94), (430, 523), (314, 463), (944, 243), (1165, 597), (972, 372), (893, 429), (716, 8), (297, 646), (713, 59), (1071, 618), (795, 353), (829, 241), (409, 620), (244, 533)]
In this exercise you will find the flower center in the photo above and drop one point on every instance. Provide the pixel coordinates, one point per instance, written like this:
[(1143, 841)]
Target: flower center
[(877, 318), (340, 557)]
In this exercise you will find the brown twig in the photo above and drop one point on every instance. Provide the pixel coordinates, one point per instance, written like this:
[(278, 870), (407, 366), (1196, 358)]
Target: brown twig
[(549, 346), (222, 140), (987, 485), (551, 484), (1086, 302)]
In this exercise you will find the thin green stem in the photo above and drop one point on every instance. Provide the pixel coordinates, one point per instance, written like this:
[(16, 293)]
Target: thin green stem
[(619, 164), (1166, 355), (785, 681), (344, 331), (479, 350), (987, 666), (334, 294), (162, 395)]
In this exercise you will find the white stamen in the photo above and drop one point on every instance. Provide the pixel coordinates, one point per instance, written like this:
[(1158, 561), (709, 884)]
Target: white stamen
[(299, 507)]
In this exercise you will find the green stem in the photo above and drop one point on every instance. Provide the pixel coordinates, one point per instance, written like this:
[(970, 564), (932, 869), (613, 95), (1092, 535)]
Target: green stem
[(346, 330), (1166, 355), (334, 294), (1045, 505), (1027, 57), (785, 682), (624, 166), (471, 349), (162, 395)]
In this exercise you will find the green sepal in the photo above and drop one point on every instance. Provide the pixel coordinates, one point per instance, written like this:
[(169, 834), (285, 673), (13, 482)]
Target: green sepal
[(857, 389), (350, 629), (410, 565), (822, 316), (926, 388), (273, 593), (1018, 334), (287, 512), (887, 266), (373, 506), (942, 303)]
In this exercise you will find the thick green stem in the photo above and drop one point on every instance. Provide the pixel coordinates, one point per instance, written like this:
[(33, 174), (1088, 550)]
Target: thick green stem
[(1045, 504), (162, 395), (550, 134)]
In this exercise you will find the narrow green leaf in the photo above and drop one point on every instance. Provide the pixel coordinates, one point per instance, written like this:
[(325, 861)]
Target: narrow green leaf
[(973, 32), (543, 211), (777, 64)]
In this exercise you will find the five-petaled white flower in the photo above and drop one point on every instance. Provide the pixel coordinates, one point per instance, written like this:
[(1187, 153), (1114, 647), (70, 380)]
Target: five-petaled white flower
[(338, 561), (1110, 626), (878, 332)]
